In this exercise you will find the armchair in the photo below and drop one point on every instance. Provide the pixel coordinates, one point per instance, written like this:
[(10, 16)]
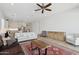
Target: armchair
[(12, 47)]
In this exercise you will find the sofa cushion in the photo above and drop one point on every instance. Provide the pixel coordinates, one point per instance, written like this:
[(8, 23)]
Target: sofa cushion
[(10, 42)]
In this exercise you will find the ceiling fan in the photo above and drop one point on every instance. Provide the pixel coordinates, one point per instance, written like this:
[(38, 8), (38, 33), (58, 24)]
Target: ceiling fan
[(43, 7)]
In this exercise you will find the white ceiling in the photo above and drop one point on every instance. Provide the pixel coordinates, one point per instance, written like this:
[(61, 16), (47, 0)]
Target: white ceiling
[(25, 11)]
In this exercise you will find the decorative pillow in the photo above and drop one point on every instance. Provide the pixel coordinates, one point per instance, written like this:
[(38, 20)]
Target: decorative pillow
[(6, 34)]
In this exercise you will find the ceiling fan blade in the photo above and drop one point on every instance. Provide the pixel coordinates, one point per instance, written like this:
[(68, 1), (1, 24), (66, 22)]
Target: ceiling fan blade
[(42, 11), (48, 9), (47, 5), (39, 5), (37, 9)]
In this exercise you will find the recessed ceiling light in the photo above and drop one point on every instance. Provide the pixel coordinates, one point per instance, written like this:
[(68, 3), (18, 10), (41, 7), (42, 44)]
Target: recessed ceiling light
[(12, 4), (14, 14), (45, 15), (33, 11), (28, 16)]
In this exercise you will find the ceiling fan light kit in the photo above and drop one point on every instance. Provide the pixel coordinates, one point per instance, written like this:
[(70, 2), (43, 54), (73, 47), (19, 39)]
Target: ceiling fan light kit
[(43, 7)]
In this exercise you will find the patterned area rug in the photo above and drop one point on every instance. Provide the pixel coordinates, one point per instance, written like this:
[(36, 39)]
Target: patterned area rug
[(12, 50), (53, 50), (28, 50)]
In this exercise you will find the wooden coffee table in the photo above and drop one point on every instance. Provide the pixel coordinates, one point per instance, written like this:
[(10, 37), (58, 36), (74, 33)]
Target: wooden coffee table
[(40, 45)]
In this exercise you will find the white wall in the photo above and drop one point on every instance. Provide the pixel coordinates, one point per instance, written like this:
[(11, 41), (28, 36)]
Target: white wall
[(1, 15), (67, 21), (36, 27)]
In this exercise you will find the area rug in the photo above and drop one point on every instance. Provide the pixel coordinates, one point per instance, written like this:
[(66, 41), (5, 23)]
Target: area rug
[(53, 50), (13, 50)]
